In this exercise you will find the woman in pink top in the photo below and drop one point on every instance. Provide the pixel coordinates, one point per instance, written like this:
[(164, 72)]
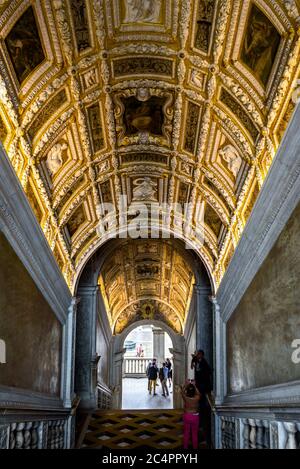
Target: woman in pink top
[(191, 397)]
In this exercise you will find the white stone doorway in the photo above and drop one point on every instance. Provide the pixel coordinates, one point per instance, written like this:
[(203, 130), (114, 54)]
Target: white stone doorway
[(142, 344)]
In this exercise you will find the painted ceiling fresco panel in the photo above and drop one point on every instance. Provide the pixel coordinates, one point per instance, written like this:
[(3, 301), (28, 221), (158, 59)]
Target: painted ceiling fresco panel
[(261, 44), (81, 24), (135, 11), (213, 220), (76, 220), (95, 122), (24, 45), (147, 116), (205, 16), (193, 113)]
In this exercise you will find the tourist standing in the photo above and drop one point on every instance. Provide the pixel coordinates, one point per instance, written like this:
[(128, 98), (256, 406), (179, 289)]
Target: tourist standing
[(169, 366), (152, 376), (191, 396), (163, 376)]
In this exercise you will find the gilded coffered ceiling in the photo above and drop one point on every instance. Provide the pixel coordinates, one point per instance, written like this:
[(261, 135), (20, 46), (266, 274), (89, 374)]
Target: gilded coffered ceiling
[(146, 279), (166, 101)]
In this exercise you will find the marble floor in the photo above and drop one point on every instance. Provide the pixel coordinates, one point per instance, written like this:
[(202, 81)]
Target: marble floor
[(136, 395)]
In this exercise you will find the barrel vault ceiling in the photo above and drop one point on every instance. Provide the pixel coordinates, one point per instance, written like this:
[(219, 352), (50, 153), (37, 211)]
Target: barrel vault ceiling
[(172, 101), (146, 279)]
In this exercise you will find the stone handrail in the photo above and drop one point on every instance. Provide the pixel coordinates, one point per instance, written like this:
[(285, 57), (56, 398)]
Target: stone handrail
[(37, 433), (258, 433), (135, 367)]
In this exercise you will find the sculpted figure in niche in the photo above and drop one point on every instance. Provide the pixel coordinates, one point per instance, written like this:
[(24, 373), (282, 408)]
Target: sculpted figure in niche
[(55, 157), (147, 11), (231, 156), (145, 189)]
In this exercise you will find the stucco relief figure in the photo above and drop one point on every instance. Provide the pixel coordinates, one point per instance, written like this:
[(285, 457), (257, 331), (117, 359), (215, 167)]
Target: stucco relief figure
[(144, 189), (90, 78), (197, 79), (232, 158), (147, 11), (260, 45), (55, 157)]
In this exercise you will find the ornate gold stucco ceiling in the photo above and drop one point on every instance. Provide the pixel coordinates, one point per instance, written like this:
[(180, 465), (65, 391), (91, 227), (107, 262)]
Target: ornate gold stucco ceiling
[(98, 95), (146, 279)]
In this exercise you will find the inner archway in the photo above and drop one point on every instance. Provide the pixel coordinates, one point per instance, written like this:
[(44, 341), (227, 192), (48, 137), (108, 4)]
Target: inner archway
[(129, 283), (143, 344)]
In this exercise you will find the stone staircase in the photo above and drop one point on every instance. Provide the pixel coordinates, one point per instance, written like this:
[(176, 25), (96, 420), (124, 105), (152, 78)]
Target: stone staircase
[(133, 430)]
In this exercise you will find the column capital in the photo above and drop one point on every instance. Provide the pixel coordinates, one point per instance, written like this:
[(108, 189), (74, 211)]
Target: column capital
[(88, 290), (202, 289), (73, 306), (215, 303)]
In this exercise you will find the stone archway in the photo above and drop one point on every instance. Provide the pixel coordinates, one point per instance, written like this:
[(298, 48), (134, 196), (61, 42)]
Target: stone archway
[(92, 316), (117, 355)]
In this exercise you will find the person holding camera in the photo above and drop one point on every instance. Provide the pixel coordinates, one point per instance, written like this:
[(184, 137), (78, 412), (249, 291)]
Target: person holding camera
[(202, 372), (191, 397)]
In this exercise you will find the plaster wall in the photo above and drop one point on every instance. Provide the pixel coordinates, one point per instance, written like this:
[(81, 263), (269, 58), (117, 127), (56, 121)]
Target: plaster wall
[(31, 331)]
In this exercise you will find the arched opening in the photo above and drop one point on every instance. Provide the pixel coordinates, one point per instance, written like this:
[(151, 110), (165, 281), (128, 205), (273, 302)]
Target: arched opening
[(130, 283), (143, 344)]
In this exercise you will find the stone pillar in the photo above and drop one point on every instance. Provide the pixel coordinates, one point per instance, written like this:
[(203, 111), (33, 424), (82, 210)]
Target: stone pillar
[(204, 321), (68, 366), (159, 345), (179, 371), (219, 354), (115, 373), (86, 346)]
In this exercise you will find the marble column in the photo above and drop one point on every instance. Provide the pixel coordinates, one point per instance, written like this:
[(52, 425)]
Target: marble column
[(220, 378), (115, 372), (179, 371), (68, 367), (159, 345), (86, 346), (204, 321)]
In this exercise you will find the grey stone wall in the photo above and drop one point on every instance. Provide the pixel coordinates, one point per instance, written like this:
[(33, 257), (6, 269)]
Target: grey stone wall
[(267, 320)]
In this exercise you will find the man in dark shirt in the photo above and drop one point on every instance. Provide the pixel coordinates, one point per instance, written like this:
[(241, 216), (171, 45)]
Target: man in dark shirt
[(203, 383), (202, 372), (152, 376)]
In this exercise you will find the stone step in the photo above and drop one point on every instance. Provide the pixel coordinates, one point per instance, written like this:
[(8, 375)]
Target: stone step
[(129, 430)]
